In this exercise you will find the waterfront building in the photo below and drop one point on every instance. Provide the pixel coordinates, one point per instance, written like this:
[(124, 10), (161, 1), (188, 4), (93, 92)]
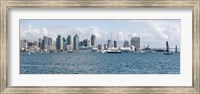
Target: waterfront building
[(115, 44), (135, 41), (93, 40), (54, 45), (69, 40), (81, 44), (126, 44), (69, 43), (23, 44), (40, 43), (109, 44), (86, 43), (105, 46), (30, 44), (50, 41), (99, 47), (45, 38), (59, 43), (76, 42), (35, 44), (64, 43)]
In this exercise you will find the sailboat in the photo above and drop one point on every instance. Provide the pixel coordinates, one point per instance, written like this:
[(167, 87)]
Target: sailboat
[(176, 49), (167, 51)]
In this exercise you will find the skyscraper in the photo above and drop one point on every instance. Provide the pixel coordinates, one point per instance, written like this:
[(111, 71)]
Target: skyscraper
[(59, 43), (86, 43), (54, 45), (126, 43), (109, 44), (45, 42), (50, 41), (70, 43), (115, 44), (69, 40), (99, 47), (35, 44), (135, 41), (64, 43), (93, 40), (40, 43), (23, 44), (76, 42), (105, 46), (81, 44)]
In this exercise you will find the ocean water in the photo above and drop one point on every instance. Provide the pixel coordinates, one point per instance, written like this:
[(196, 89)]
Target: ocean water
[(99, 63)]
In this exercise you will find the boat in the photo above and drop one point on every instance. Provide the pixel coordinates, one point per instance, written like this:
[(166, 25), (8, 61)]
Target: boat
[(113, 51), (102, 51), (70, 51), (167, 52)]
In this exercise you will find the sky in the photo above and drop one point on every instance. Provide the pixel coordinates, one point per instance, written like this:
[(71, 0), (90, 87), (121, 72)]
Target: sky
[(152, 32)]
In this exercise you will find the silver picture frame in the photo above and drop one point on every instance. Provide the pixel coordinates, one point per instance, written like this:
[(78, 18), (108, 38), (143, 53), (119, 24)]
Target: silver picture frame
[(5, 5)]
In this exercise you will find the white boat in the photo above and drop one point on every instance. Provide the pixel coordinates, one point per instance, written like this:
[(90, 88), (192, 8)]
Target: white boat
[(113, 51)]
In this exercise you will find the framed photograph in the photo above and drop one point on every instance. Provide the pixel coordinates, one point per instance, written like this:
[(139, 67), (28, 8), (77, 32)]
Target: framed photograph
[(87, 47)]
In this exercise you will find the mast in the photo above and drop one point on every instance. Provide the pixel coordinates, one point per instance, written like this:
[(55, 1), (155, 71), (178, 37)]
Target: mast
[(111, 36), (167, 46), (111, 41), (176, 49)]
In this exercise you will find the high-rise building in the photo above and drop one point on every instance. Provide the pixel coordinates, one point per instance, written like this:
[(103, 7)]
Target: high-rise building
[(59, 43), (50, 41), (23, 44), (64, 43), (45, 42), (81, 44), (99, 47), (105, 47), (69, 40), (109, 44), (76, 42), (126, 43), (86, 43), (93, 40), (35, 43), (40, 43), (135, 41), (115, 44), (69, 43), (54, 45), (30, 44)]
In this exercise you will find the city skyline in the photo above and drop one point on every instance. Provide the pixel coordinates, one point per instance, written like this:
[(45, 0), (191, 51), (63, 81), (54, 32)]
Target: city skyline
[(152, 32)]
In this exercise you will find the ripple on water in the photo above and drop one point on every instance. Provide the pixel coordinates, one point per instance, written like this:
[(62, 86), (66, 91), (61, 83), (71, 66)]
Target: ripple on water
[(99, 63)]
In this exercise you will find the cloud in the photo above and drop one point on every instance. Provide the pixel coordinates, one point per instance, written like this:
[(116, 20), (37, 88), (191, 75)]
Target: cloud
[(156, 32), (153, 32)]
